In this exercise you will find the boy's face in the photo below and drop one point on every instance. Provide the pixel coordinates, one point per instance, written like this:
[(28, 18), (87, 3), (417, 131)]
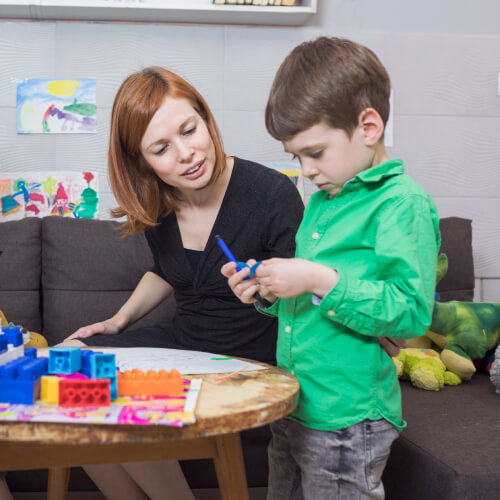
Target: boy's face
[(328, 157)]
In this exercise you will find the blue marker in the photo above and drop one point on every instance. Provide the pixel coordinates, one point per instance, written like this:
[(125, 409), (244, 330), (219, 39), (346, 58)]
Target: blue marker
[(228, 253), (241, 265)]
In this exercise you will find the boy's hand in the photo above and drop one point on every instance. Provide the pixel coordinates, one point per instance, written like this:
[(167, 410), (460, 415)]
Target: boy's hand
[(292, 277), (245, 289)]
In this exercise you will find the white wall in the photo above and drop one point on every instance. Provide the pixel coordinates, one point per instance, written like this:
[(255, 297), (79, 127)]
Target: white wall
[(443, 58)]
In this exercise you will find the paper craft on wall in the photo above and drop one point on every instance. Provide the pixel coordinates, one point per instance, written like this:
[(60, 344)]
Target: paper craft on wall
[(56, 106), (38, 194)]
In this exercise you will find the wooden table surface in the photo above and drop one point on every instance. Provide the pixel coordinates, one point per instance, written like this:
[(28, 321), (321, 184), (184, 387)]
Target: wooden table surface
[(249, 399)]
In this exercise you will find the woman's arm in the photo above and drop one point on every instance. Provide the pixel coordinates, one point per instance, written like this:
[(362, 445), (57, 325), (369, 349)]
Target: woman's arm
[(149, 292)]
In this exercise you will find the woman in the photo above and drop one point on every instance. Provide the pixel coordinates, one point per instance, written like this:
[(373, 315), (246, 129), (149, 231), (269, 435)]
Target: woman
[(171, 178)]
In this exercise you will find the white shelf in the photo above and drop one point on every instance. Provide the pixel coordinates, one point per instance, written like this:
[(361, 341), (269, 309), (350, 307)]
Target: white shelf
[(171, 11)]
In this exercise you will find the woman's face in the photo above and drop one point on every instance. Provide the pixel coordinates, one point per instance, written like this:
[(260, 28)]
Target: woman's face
[(178, 147)]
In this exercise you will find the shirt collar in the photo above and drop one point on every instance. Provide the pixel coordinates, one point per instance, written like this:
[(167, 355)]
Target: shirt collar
[(381, 171)]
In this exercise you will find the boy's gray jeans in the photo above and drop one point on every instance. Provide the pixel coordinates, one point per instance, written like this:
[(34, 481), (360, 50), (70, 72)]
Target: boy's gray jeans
[(344, 464)]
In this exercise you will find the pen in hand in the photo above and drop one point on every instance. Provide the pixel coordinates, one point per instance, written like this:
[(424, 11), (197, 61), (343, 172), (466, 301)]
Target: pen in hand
[(239, 266)]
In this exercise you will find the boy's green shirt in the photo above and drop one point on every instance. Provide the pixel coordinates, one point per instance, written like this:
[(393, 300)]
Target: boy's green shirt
[(381, 233)]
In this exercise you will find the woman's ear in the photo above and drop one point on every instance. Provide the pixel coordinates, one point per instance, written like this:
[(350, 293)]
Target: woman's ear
[(372, 125)]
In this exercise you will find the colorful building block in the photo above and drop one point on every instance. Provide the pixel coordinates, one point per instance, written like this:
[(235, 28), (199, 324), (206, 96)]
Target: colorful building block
[(20, 380), (151, 383), (89, 392), (64, 360), (49, 391)]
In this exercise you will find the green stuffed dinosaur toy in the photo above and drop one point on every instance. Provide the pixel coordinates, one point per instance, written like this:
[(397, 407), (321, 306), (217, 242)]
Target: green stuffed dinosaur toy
[(461, 331)]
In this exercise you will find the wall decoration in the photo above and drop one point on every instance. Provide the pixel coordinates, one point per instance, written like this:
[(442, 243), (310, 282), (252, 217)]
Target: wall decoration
[(47, 106), (38, 194)]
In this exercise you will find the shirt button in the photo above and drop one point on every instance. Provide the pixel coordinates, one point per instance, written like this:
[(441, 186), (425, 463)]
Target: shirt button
[(331, 313), (315, 236), (292, 372), (288, 329)]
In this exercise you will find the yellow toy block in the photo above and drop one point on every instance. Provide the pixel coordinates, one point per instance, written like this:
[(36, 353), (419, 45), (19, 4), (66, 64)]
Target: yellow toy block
[(49, 392)]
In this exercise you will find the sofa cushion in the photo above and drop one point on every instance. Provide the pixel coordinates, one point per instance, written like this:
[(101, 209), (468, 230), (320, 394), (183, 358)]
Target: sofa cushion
[(456, 243), (88, 272), (450, 448), (20, 272)]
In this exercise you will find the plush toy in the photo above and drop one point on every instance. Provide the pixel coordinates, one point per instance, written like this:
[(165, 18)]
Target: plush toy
[(424, 368), (461, 331), (30, 339), (495, 370)]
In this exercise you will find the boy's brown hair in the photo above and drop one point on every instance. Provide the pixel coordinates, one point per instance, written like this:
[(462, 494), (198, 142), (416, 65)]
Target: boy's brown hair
[(328, 80), (141, 195)]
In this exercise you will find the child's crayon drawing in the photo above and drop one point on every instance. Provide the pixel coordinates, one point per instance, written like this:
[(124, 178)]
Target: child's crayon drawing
[(47, 106), (38, 194)]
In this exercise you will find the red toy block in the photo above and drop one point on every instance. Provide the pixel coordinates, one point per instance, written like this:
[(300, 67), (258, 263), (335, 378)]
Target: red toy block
[(161, 383), (84, 392)]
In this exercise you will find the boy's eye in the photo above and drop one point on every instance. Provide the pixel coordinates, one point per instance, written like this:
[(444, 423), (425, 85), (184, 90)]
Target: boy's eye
[(316, 154)]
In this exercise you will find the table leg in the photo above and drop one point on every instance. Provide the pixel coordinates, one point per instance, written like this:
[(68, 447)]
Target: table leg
[(58, 483), (230, 467)]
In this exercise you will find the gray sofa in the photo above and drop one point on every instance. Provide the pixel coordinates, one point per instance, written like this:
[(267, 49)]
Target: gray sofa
[(57, 274)]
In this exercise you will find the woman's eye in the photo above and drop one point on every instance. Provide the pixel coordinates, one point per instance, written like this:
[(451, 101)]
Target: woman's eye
[(189, 131), (161, 151)]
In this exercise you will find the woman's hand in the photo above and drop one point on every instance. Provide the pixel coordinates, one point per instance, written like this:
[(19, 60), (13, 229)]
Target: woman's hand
[(107, 327), (391, 346)]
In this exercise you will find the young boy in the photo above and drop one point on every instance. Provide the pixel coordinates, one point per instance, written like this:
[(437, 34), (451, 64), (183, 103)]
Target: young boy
[(365, 267)]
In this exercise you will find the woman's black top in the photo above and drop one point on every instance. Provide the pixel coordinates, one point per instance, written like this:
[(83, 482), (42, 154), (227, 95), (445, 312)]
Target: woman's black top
[(258, 218)]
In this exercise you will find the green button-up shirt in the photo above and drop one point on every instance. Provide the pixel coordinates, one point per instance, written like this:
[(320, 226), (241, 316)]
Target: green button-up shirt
[(381, 233)]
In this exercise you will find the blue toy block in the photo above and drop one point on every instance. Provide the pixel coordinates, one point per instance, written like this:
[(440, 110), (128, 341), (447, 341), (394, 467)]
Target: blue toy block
[(64, 360), (3, 343), (14, 335), (33, 370), (86, 356), (24, 392), (31, 353), (103, 365), (20, 380)]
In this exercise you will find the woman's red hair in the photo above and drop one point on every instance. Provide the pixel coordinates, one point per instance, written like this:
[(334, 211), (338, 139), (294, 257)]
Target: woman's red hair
[(141, 195)]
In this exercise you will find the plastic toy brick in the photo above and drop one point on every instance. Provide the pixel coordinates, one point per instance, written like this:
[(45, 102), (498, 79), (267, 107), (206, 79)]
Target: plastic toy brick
[(30, 352), (64, 360), (20, 380), (90, 392), (3, 343), (151, 383), (49, 391), (86, 355), (102, 365), (14, 335)]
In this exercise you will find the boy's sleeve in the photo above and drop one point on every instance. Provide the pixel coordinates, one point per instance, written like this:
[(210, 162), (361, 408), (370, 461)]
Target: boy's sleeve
[(399, 302)]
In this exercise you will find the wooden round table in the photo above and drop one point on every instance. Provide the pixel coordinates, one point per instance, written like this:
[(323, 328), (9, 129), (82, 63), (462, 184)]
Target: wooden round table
[(249, 399)]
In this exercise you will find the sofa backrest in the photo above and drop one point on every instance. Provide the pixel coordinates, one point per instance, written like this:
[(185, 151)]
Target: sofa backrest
[(58, 274), (456, 243), (20, 271), (88, 272)]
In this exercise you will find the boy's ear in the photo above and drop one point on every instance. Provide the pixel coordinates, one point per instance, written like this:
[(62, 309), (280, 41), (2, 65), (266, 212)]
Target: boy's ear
[(372, 125)]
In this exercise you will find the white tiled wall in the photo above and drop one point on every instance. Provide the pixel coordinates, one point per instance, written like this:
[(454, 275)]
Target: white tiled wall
[(443, 58)]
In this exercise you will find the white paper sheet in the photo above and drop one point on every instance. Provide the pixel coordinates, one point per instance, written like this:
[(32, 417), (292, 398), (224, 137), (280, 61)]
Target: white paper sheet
[(185, 362)]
